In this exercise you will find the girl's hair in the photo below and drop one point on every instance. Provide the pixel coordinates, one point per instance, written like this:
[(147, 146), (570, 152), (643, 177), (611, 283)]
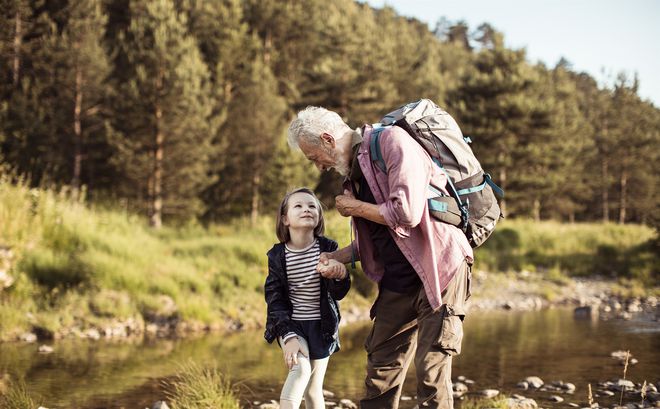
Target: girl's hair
[(282, 231)]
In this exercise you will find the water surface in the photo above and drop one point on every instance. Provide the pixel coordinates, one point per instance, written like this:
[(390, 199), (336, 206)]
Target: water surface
[(500, 349)]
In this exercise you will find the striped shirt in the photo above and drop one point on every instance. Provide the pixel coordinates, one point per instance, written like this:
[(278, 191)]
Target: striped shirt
[(304, 282)]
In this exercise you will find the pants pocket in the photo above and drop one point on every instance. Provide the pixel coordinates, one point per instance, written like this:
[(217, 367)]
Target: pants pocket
[(451, 334)]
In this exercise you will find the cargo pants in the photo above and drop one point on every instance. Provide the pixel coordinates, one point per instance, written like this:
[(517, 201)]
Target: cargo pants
[(405, 326)]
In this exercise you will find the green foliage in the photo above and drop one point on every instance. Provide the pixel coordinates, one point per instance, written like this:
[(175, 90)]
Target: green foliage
[(17, 396), (572, 249), (177, 109), (195, 387)]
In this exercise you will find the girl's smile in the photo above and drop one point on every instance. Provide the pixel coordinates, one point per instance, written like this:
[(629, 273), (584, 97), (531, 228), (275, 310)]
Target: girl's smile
[(302, 211)]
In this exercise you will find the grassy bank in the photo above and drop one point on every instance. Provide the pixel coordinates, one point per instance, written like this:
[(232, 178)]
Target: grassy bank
[(81, 267)]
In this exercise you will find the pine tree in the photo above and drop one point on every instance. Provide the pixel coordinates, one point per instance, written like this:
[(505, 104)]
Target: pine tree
[(85, 86), (257, 121), (165, 140), (494, 107)]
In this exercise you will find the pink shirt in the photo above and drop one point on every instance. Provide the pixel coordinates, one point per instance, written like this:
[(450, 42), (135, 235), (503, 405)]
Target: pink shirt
[(434, 249)]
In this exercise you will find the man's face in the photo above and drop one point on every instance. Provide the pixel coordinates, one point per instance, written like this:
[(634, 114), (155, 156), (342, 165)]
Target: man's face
[(326, 156)]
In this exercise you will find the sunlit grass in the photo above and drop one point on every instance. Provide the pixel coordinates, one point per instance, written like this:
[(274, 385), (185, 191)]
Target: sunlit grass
[(195, 387), (16, 396), (86, 265)]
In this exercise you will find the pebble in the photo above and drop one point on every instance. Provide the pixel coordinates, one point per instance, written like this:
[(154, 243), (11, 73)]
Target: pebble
[(45, 349), (573, 405), (28, 337), (328, 394), (160, 405), (490, 393), (523, 403), (523, 385), (534, 382), (556, 398), (460, 387)]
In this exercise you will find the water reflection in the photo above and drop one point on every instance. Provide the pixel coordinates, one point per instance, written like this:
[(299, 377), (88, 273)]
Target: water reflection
[(499, 350)]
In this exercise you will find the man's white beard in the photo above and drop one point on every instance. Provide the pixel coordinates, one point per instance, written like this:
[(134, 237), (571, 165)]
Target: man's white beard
[(342, 167)]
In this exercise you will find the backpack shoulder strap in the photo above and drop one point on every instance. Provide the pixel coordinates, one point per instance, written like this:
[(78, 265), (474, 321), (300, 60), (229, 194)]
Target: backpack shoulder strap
[(374, 148)]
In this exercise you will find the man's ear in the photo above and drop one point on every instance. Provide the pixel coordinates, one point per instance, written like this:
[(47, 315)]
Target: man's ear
[(328, 140)]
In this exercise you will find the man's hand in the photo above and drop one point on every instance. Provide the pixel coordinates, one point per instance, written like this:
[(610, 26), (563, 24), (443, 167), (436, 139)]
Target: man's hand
[(347, 204), (332, 269), (291, 349)]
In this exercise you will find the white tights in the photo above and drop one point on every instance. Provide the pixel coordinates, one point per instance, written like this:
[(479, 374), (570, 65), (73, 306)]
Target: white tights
[(305, 379)]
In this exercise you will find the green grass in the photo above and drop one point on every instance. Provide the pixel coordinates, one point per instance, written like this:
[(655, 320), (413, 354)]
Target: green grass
[(195, 387), (16, 395), (579, 249), (86, 266)]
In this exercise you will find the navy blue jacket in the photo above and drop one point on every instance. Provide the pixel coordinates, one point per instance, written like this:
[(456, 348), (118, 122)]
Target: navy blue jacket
[(276, 291)]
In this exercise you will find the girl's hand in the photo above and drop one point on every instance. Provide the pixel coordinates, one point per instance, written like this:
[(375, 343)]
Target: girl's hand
[(291, 349), (332, 269)]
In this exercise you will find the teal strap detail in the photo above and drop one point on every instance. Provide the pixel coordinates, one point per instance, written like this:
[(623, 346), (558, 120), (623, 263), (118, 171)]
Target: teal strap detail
[(472, 189), (437, 206), (374, 150), (498, 190)]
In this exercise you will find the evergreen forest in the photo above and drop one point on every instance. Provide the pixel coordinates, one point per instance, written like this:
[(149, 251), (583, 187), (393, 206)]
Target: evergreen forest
[(178, 109)]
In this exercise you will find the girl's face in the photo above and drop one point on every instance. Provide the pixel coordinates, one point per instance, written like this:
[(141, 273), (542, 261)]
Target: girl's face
[(302, 212)]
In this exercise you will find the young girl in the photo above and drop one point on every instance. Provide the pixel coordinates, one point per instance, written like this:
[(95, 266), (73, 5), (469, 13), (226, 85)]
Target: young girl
[(303, 313)]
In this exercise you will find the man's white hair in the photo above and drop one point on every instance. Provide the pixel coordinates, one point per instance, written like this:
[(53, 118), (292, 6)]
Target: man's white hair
[(311, 123)]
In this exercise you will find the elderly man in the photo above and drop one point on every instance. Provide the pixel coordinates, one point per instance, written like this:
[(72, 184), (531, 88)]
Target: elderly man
[(422, 266)]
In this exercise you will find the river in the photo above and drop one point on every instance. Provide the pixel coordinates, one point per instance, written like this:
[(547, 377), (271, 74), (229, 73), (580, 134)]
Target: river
[(500, 349)]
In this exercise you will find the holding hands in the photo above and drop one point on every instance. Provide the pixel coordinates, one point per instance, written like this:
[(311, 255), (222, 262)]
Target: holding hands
[(331, 268)]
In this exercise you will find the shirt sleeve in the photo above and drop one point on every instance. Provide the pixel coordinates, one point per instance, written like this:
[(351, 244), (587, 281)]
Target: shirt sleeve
[(408, 175)]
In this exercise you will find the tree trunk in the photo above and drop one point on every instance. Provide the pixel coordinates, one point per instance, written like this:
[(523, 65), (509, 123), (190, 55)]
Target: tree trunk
[(77, 131), (256, 184), (156, 219), (605, 195), (268, 46), (624, 195), (18, 40), (536, 211)]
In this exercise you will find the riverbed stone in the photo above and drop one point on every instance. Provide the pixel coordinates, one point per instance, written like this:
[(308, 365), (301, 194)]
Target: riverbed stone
[(621, 384), (328, 394), (92, 333), (556, 398), (621, 355), (459, 387), (524, 403), (534, 382), (489, 393), (160, 405), (45, 349), (270, 405), (28, 337), (653, 396), (573, 405)]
